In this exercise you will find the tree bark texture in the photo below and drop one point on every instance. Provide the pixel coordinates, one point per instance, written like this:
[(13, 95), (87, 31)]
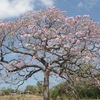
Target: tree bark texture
[(46, 95)]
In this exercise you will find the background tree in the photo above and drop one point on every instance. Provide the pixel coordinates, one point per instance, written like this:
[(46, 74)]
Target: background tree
[(8, 91), (40, 88), (31, 89), (59, 91), (89, 92), (49, 42), (84, 88)]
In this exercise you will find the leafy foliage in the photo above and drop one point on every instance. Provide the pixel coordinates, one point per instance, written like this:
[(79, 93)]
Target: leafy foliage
[(31, 89)]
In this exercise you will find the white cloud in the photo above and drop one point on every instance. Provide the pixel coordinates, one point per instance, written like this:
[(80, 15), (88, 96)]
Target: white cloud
[(14, 8), (87, 4), (48, 2), (80, 4)]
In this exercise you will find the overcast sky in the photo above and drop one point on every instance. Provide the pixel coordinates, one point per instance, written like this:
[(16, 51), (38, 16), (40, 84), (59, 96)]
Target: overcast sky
[(14, 8)]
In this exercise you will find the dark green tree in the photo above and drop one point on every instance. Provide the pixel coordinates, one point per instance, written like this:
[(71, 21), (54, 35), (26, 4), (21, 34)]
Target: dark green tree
[(40, 87), (31, 89)]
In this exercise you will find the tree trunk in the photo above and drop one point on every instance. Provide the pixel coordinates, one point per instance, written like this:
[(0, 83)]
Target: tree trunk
[(46, 95), (76, 95)]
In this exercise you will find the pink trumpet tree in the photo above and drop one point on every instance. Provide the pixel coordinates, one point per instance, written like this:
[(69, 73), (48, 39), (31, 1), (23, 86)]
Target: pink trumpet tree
[(47, 41)]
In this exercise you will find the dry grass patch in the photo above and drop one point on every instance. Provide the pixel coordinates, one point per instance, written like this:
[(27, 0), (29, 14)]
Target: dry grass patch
[(21, 97)]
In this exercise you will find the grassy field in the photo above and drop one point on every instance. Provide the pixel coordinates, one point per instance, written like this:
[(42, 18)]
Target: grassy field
[(29, 97), (21, 97)]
